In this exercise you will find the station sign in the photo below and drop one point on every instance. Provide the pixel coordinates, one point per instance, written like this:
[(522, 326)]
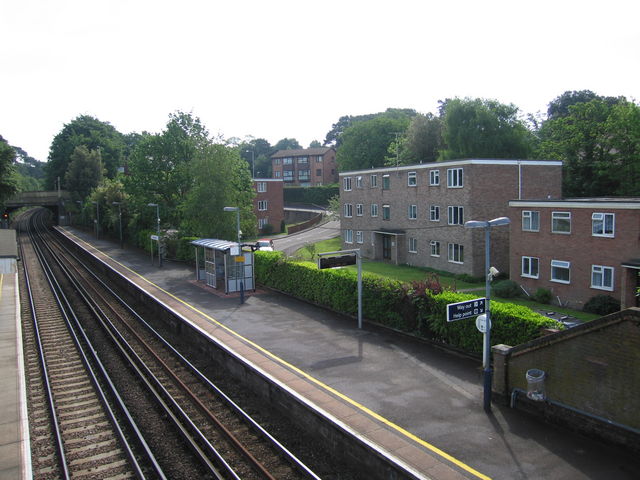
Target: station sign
[(338, 261), (154, 237), (468, 309)]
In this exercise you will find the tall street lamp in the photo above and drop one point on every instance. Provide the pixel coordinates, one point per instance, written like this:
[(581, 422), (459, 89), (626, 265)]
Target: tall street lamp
[(97, 204), (253, 163), (486, 351), (157, 230), (237, 210), (119, 221)]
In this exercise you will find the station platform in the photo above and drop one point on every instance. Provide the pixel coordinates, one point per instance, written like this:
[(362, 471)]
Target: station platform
[(15, 454), (417, 403)]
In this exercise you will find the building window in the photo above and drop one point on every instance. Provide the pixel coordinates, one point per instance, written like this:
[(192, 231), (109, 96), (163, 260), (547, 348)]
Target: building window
[(386, 212), (277, 161), (434, 177), (359, 236), (287, 175), (359, 181), (386, 182), (359, 209), (454, 178), (262, 205), (318, 172), (456, 215), (456, 253), (287, 161), (348, 210), (412, 179), (435, 248), (374, 209), (348, 236), (601, 277), (413, 245), (530, 267), (374, 181), (434, 213), (278, 173), (319, 159), (530, 221), (561, 222), (303, 160), (560, 271), (603, 224), (413, 212), (304, 175), (346, 184), (262, 187), (262, 222)]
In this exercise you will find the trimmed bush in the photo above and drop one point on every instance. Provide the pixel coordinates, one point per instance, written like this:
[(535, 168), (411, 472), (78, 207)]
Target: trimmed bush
[(543, 295), (602, 305), (506, 289), (410, 308)]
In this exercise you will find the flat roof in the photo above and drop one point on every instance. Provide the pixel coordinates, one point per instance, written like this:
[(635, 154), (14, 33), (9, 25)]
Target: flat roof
[(214, 243), (594, 202), (8, 244)]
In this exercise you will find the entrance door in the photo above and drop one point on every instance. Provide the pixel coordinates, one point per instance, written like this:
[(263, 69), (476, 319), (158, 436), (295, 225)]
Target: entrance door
[(386, 247)]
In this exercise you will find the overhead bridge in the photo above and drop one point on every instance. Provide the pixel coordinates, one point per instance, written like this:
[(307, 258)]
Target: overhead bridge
[(54, 200)]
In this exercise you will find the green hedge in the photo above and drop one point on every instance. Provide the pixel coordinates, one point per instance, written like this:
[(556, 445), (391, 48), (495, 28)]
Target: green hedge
[(394, 304), (317, 195)]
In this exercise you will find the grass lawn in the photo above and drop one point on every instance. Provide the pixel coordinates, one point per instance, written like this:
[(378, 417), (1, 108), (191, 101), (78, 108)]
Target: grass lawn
[(405, 273)]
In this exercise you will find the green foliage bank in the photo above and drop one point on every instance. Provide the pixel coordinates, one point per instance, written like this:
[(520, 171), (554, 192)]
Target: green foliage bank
[(397, 305)]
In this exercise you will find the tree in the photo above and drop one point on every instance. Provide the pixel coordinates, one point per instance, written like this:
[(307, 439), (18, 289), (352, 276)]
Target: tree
[(8, 181), (480, 128), (84, 172), (94, 135), (559, 107), (315, 144), (333, 137), (287, 144), (220, 179), (420, 143), (258, 150), (365, 144)]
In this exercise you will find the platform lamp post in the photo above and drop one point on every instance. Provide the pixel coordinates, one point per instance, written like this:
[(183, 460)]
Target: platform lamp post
[(157, 230), (486, 351), (119, 222), (97, 204), (253, 163), (237, 210), (80, 208)]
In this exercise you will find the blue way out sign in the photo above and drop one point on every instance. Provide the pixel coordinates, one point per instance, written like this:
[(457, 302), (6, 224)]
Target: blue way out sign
[(462, 310)]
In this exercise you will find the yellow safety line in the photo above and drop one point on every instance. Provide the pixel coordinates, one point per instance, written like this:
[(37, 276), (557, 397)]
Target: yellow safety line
[(305, 374)]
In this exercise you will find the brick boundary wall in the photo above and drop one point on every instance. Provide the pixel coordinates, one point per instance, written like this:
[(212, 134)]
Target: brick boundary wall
[(592, 377)]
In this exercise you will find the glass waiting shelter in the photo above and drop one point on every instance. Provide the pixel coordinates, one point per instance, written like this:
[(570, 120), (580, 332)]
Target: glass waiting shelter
[(226, 266)]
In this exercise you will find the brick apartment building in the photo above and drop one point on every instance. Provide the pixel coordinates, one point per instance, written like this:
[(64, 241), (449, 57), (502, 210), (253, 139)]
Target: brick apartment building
[(305, 168), (577, 248), (415, 214), (268, 204)]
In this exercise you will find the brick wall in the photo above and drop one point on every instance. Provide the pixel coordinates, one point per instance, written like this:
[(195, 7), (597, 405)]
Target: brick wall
[(274, 196), (593, 368)]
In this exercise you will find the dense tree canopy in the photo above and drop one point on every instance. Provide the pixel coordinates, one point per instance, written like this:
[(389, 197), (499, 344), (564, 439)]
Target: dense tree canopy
[(420, 143), (94, 135), (8, 181), (84, 172)]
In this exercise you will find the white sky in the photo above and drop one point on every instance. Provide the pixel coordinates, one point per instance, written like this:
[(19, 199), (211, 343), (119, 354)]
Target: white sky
[(275, 69)]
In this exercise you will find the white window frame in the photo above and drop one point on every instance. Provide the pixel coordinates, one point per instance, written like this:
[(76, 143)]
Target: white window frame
[(412, 179), (359, 209), (412, 212), (600, 218), (434, 178), (303, 160), (262, 187), (526, 267), (386, 182), (434, 213), (601, 270), (374, 209), (560, 217), (278, 173), (359, 181), (346, 184), (359, 236), (373, 181), (563, 265), (287, 161), (262, 205), (435, 248), (348, 236), (413, 245), (529, 218), (348, 210), (262, 222), (455, 253), (455, 215), (455, 177)]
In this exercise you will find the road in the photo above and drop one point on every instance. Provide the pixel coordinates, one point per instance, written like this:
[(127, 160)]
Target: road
[(291, 243)]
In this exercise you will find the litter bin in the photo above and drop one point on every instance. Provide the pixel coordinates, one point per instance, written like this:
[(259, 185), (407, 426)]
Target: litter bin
[(535, 385)]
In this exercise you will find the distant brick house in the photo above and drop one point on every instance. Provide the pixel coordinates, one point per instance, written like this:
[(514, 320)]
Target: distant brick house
[(577, 248), (415, 214), (268, 204), (305, 168)]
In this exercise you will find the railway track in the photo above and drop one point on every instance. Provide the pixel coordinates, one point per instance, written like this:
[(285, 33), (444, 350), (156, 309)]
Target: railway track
[(186, 424)]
